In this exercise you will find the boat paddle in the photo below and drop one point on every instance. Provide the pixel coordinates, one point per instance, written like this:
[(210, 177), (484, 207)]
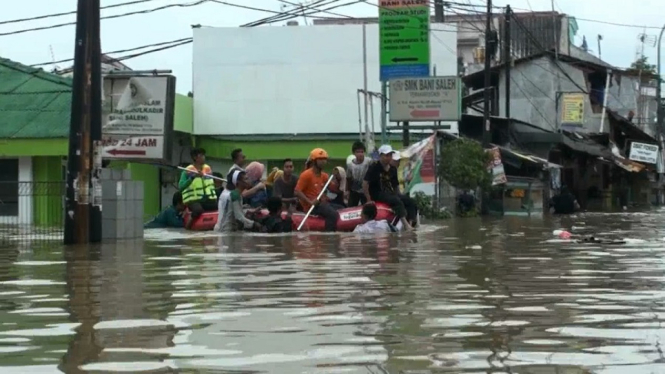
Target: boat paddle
[(325, 187), (185, 169)]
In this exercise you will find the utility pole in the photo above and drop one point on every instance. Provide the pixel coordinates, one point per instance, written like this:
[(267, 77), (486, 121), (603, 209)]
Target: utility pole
[(507, 57), (488, 82), (438, 11), (659, 99), (368, 136), (82, 221)]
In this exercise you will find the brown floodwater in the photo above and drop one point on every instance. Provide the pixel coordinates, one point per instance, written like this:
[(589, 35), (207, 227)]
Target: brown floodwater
[(460, 296)]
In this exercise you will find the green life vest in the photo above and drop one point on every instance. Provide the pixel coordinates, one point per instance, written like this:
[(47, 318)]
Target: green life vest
[(201, 188)]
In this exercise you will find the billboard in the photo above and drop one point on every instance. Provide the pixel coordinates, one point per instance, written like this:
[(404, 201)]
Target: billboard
[(292, 79), (137, 117)]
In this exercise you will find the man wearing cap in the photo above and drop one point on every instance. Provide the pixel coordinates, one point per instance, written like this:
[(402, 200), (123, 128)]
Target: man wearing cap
[(382, 185)]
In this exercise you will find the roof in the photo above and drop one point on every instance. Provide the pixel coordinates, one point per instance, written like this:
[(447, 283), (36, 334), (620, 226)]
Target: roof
[(33, 103), (576, 58)]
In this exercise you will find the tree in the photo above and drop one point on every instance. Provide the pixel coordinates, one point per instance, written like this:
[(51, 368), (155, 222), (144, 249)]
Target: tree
[(642, 65), (464, 164)]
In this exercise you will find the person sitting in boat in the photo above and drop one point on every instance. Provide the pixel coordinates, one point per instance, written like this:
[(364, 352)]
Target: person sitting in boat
[(219, 183), (259, 196), (285, 184), (274, 223), (169, 217), (337, 188), (230, 215), (356, 167), (310, 185), (370, 224), (197, 186), (381, 184)]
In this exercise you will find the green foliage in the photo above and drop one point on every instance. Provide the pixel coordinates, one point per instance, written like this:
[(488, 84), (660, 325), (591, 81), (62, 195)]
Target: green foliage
[(464, 164), (426, 207), (642, 64)]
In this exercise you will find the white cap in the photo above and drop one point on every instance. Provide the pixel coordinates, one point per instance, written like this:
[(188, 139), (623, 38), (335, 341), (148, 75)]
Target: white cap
[(397, 156), (386, 149)]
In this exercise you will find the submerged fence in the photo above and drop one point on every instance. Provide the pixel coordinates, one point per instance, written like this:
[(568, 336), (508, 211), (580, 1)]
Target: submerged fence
[(31, 213)]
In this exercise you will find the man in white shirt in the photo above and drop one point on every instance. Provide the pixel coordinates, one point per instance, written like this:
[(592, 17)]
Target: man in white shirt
[(356, 168), (371, 225)]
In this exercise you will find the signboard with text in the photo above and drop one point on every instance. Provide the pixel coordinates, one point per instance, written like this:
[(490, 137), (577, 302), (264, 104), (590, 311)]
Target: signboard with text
[(425, 99), (137, 117), (404, 38), (643, 152), (572, 109)]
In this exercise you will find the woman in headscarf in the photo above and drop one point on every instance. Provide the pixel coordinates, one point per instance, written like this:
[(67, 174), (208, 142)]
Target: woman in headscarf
[(337, 188), (254, 173)]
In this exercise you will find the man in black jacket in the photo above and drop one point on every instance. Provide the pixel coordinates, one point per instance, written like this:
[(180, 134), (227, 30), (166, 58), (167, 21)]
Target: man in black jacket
[(382, 185)]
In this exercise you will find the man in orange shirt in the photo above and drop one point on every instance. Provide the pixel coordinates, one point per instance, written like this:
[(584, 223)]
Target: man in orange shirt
[(309, 186)]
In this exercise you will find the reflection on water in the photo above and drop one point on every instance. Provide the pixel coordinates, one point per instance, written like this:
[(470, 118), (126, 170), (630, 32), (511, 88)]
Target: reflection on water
[(474, 296)]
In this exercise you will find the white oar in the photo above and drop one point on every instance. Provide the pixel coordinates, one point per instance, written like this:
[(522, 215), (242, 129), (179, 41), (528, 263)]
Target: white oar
[(325, 187), (205, 175)]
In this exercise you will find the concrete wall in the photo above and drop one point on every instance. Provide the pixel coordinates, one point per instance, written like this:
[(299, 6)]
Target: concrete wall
[(122, 205), (533, 94)]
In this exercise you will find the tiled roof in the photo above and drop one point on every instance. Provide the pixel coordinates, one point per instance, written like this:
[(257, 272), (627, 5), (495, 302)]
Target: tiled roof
[(33, 103)]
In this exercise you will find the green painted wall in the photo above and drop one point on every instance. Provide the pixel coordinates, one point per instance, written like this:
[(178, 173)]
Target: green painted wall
[(33, 147), (48, 191), (184, 114), (152, 191)]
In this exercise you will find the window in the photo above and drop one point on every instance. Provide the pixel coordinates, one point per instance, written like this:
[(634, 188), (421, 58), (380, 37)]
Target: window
[(9, 187)]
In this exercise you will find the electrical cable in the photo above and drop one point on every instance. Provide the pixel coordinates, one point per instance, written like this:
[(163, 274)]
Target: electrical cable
[(119, 51), (183, 41), (146, 11), (70, 12)]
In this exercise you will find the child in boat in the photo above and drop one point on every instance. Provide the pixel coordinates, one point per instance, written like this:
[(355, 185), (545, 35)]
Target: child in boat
[(169, 217), (230, 216), (370, 224), (274, 223)]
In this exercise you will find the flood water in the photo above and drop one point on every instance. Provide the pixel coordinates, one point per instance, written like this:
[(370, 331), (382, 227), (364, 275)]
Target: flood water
[(464, 296)]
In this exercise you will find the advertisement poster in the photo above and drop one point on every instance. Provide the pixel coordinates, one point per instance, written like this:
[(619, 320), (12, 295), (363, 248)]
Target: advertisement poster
[(417, 164), (496, 167)]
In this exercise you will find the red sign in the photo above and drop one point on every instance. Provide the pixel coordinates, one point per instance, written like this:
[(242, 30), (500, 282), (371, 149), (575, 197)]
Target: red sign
[(125, 152), (425, 113)]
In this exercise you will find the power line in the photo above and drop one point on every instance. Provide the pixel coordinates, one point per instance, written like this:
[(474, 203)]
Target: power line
[(183, 41), (146, 11), (70, 12), (114, 52)]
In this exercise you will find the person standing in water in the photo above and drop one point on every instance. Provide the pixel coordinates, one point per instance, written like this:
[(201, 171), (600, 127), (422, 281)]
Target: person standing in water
[(230, 215)]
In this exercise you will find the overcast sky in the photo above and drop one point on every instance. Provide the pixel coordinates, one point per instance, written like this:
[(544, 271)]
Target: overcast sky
[(618, 47)]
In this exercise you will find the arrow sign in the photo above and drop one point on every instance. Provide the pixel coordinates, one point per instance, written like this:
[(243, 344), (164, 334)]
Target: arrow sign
[(424, 113), (405, 59), (126, 152)]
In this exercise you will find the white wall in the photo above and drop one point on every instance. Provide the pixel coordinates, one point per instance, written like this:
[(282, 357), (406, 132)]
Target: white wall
[(26, 194), (292, 79)]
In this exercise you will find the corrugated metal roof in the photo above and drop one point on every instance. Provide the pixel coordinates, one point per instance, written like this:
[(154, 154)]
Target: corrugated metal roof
[(33, 103)]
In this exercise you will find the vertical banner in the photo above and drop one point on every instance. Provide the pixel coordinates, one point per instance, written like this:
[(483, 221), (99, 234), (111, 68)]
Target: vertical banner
[(417, 164), (495, 166)]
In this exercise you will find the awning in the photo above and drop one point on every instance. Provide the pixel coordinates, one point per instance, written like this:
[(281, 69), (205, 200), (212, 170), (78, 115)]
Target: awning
[(581, 144), (531, 158), (628, 165)]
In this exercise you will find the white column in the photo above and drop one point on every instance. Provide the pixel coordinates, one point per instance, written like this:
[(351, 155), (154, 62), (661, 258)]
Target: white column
[(26, 191)]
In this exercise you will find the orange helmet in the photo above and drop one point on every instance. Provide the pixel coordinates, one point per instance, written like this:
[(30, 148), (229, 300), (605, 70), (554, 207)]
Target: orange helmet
[(318, 154)]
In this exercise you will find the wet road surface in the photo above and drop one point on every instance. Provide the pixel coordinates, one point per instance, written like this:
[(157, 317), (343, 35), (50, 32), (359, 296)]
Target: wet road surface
[(464, 296)]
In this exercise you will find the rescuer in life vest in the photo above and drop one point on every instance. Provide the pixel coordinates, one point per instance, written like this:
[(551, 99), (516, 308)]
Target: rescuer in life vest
[(198, 188)]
